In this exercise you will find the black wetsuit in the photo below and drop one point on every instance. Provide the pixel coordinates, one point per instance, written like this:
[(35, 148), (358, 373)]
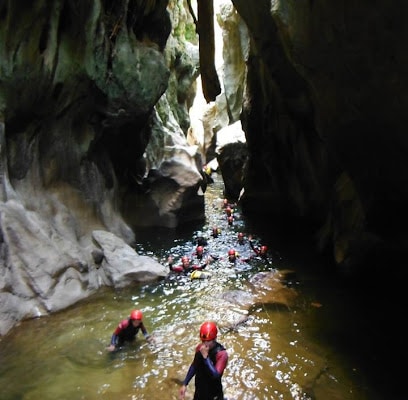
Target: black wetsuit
[(207, 386), (126, 332)]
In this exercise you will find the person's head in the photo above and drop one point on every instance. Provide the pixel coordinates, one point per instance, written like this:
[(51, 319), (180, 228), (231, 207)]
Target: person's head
[(240, 236), (230, 220), (216, 231), (208, 332), (232, 254), (263, 250), (185, 261), (136, 317), (199, 250)]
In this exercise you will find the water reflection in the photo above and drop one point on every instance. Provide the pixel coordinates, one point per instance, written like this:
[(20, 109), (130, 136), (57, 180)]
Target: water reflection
[(273, 351)]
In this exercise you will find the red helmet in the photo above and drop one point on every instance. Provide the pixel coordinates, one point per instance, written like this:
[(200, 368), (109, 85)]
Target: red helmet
[(199, 249), (184, 259), (136, 314), (231, 252), (264, 249), (208, 331)]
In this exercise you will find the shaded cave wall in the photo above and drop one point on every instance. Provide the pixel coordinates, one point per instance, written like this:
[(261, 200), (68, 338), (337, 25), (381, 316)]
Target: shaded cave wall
[(325, 124)]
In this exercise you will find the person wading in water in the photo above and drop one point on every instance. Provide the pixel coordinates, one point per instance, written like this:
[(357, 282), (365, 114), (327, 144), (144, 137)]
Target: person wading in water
[(208, 366)]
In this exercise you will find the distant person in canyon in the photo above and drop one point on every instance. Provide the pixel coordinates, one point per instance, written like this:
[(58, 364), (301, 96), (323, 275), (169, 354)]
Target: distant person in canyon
[(199, 239), (187, 264), (183, 267), (203, 255), (215, 232), (260, 251)]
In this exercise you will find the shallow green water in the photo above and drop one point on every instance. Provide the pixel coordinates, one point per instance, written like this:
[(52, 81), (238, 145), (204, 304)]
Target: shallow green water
[(277, 353)]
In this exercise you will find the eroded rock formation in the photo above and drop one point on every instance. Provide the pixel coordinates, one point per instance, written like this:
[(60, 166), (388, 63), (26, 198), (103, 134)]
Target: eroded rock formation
[(80, 86)]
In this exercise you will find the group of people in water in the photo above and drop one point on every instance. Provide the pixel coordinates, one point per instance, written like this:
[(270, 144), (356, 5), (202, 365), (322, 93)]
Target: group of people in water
[(201, 257), (211, 358)]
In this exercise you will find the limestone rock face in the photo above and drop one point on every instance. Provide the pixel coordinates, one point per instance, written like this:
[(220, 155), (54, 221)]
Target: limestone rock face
[(122, 265), (80, 84), (44, 269), (234, 53), (231, 161)]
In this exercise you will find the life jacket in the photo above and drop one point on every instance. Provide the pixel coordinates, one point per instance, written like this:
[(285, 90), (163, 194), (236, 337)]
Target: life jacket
[(198, 274)]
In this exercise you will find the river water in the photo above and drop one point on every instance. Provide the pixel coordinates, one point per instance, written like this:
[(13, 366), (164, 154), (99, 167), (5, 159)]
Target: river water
[(309, 351)]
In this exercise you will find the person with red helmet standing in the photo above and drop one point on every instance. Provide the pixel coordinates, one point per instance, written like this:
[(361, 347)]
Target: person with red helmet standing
[(209, 363), (127, 330)]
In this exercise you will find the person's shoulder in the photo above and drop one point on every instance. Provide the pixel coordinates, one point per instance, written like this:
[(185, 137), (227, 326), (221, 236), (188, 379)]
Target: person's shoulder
[(222, 353), (220, 347), (124, 323)]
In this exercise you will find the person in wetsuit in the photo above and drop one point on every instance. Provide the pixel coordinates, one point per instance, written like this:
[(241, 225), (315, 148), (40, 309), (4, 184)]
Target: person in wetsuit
[(127, 330), (202, 255), (199, 239), (187, 265), (215, 232), (260, 251), (208, 366), (184, 267)]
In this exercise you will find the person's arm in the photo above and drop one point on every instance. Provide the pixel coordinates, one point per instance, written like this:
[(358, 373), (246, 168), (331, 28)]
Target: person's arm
[(221, 362), (170, 261), (114, 338), (113, 343), (190, 373), (172, 267), (253, 247), (146, 334)]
